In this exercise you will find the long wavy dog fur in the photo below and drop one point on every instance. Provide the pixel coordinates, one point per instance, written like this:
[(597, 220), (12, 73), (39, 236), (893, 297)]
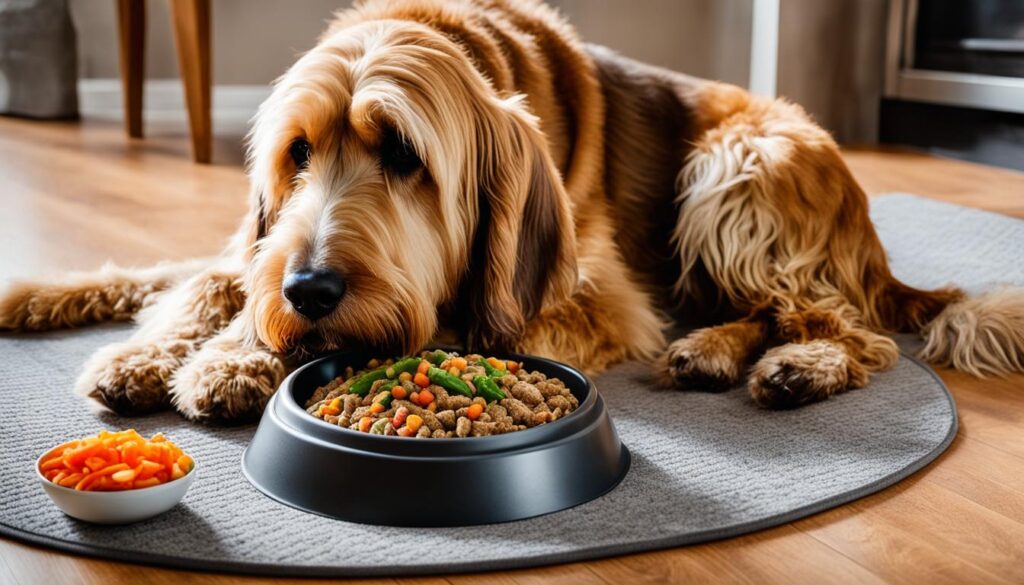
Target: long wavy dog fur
[(553, 198)]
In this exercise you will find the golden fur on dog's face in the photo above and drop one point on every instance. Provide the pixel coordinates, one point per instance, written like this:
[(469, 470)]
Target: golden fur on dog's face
[(480, 220)]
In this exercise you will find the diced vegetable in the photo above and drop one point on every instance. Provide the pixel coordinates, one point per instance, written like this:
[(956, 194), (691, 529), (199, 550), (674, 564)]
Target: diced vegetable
[(365, 382), (423, 380), (115, 461), (487, 388), (437, 357), (414, 422), (449, 382), (474, 411)]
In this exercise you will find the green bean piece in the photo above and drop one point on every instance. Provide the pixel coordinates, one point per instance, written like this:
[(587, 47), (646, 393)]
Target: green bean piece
[(487, 388), (365, 382), (449, 382), (404, 365), (385, 396), (492, 371), (437, 357)]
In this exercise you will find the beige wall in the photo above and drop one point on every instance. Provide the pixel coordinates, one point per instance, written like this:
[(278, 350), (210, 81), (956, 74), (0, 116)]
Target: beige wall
[(831, 57), (254, 41)]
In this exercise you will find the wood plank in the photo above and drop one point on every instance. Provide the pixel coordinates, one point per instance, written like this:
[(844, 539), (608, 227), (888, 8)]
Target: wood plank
[(889, 169), (983, 474), (780, 555)]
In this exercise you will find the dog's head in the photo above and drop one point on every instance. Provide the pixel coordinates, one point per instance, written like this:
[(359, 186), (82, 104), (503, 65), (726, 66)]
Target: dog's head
[(390, 180)]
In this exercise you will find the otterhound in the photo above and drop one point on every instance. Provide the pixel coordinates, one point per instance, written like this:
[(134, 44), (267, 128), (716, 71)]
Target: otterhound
[(470, 168)]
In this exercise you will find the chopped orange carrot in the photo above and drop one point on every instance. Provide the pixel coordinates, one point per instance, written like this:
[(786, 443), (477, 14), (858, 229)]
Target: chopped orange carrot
[(365, 423), (414, 422), (423, 367), (377, 408), (115, 461), (474, 411), (399, 393), (421, 380), (426, 397), (148, 482), (460, 363), (123, 475)]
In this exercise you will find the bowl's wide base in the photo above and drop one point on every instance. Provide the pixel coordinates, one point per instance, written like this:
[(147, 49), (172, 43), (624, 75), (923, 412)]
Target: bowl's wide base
[(572, 464)]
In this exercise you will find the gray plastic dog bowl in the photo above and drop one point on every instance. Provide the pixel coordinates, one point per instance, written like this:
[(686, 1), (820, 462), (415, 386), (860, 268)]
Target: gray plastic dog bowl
[(317, 467)]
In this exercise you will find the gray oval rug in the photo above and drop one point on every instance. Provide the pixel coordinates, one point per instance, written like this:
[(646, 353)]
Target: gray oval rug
[(705, 466)]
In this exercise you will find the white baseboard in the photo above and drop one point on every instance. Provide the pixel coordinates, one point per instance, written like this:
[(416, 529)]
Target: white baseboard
[(164, 103)]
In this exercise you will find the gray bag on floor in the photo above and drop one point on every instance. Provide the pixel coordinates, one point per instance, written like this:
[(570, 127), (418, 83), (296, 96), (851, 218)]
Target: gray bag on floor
[(38, 59)]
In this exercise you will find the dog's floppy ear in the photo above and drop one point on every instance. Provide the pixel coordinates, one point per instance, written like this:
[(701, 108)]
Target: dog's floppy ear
[(253, 227), (523, 256)]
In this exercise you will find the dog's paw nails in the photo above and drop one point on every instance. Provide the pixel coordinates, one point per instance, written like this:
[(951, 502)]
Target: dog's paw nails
[(226, 385), (130, 378), (796, 374), (691, 365)]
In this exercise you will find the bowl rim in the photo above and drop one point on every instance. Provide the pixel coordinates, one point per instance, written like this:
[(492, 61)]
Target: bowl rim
[(545, 433), (58, 487)]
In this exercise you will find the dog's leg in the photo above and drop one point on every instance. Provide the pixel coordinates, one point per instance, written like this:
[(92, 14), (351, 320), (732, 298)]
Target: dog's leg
[(229, 379), (132, 377), (714, 358), (824, 353), (111, 293)]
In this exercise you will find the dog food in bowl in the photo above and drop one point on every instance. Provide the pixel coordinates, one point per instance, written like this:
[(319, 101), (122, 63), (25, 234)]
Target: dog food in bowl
[(122, 460), (441, 395)]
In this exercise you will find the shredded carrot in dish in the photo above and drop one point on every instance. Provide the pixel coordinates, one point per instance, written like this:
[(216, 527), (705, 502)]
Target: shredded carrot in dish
[(115, 461)]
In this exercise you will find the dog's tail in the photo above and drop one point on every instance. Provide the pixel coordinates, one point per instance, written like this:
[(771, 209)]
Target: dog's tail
[(981, 335), (111, 293)]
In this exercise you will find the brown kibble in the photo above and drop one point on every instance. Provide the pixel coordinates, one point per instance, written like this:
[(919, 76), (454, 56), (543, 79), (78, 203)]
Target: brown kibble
[(447, 419), (350, 403), (519, 411), (426, 433), (527, 392), (496, 410), (459, 401), (438, 434), (483, 429), (558, 402), (463, 427), (540, 418)]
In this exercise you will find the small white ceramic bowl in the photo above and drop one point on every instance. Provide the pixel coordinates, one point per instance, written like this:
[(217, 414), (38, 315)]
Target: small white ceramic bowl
[(122, 507)]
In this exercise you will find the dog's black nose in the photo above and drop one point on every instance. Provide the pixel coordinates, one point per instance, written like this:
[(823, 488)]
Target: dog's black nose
[(314, 293)]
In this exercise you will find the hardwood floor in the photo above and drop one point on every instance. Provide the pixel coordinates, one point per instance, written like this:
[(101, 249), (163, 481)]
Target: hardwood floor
[(73, 195)]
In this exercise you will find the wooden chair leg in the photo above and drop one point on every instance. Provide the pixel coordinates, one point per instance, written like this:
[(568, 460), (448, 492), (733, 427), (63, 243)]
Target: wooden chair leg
[(192, 36), (131, 24)]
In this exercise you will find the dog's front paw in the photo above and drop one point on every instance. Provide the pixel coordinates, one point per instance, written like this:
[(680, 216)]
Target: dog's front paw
[(227, 383), (701, 361), (131, 378), (795, 374)]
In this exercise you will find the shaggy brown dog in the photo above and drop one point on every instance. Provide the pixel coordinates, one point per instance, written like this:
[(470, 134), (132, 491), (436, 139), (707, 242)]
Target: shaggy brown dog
[(471, 167)]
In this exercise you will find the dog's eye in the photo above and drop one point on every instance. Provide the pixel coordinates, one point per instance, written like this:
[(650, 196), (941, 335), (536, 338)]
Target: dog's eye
[(397, 155), (300, 151)]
